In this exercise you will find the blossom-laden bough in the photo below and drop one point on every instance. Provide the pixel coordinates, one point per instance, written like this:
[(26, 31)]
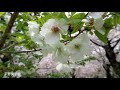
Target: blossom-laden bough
[(64, 37), (65, 54)]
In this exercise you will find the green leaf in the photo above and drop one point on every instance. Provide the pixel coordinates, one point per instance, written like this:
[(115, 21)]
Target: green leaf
[(116, 19), (74, 21), (79, 16), (45, 13), (72, 13), (103, 38), (62, 15), (77, 26), (65, 37), (108, 22), (107, 30), (2, 27), (108, 25), (1, 13)]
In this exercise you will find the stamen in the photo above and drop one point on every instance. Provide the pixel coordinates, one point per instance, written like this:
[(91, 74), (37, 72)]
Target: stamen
[(77, 46), (55, 29)]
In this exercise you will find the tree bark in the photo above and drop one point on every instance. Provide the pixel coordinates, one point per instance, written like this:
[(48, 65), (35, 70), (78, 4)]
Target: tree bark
[(8, 29), (110, 54)]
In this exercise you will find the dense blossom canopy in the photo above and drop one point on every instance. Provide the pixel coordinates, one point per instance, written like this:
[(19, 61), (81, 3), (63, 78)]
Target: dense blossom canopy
[(34, 41)]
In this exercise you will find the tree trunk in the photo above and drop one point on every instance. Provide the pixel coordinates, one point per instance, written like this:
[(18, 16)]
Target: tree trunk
[(110, 54), (107, 69)]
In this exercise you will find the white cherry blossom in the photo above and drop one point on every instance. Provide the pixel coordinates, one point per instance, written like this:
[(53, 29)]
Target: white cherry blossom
[(79, 47), (34, 32), (52, 28), (60, 53)]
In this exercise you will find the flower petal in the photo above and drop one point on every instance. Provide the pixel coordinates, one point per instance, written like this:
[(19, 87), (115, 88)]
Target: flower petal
[(63, 26), (98, 23), (84, 48), (60, 54), (52, 38), (96, 15), (63, 68)]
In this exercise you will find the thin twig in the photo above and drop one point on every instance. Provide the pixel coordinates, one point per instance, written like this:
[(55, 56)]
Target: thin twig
[(96, 43), (117, 41), (6, 48), (19, 51), (80, 31), (113, 38)]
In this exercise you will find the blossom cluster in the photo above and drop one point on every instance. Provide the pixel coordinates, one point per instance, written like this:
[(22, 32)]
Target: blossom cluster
[(12, 74), (49, 36)]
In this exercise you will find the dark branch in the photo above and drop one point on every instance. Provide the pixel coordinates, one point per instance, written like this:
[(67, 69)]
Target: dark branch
[(97, 43), (80, 31), (117, 41), (113, 38), (20, 51), (107, 69), (72, 37), (8, 29)]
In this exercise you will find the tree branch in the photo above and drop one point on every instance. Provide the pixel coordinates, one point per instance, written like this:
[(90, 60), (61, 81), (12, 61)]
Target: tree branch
[(117, 41), (96, 43), (113, 38), (19, 51), (72, 37), (8, 47), (8, 29), (107, 69), (80, 31), (12, 45)]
